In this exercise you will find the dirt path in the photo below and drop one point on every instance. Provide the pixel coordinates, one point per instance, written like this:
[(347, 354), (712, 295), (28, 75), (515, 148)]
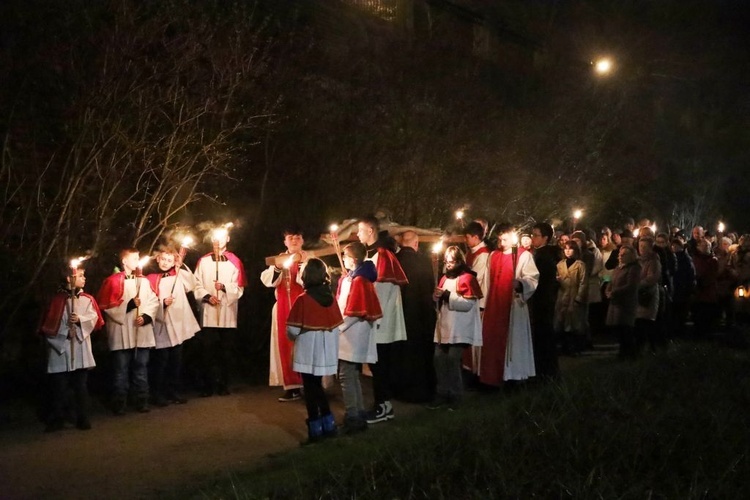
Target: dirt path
[(139, 455)]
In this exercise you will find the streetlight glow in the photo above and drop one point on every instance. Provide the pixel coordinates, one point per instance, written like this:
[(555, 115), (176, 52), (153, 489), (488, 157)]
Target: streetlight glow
[(603, 66)]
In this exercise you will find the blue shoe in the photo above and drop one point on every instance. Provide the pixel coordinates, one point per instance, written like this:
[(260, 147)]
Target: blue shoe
[(329, 425)]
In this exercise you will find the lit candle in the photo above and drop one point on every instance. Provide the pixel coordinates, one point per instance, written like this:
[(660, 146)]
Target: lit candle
[(437, 249), (722, 227), (333, 229)]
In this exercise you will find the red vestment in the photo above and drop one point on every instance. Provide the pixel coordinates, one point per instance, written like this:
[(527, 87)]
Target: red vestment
[(467, 286), (308, 314), (51, 320), (362, 301), (283, 305), (389, 268), (155, 278), (496, 320)]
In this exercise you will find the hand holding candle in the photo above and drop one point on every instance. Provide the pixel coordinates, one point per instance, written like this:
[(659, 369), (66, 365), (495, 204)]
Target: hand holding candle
[(437, 249)]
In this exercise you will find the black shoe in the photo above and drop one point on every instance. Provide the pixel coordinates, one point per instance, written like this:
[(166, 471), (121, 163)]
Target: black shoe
[(118, 407), (290, 395), (177, 400), (161, 402), (54, 426), (83, 424)]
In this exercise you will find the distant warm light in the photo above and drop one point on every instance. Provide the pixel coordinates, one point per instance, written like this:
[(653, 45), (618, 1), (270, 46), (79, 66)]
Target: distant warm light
[(437, 247), (459, 214), (721, 227), (653, 228), (635, 232), (333, 228), (741, 291), (75, 262), (187, 241), (603, 66), (578, 214), (515, 239)]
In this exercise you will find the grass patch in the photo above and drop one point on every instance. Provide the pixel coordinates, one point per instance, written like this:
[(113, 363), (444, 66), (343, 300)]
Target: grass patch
[(671, 426)]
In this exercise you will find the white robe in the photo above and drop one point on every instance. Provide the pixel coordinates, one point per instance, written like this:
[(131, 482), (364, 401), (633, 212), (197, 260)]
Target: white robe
[(458, 321), (519, 353), (223, 315), (480, 266), (59, 357), (121, 330), (392, 326), (315, 351), (176, 323), (357, 336)]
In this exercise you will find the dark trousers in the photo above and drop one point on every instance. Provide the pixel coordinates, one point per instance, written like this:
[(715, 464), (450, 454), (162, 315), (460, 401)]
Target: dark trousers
[(316, 400), (131, 368), (164, 371), (650, 331), (216, 347), (382, 386), (61, 384), (626, 338)]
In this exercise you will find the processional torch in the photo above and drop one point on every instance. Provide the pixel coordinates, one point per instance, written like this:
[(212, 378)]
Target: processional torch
[(334, 230), (72, 333)]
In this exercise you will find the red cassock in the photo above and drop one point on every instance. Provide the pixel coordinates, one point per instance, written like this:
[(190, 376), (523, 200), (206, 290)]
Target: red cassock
[(283, 305), (51, 320), (309, 315), (496, 320)]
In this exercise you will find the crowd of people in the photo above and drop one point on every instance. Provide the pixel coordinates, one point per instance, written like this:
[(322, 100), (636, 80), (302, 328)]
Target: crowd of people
[(495, 313)]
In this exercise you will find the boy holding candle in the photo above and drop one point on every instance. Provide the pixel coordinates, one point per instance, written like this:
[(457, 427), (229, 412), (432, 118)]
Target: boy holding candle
[(287, 288), (219, 283), (129, 305), (175, 323), (67, 325)]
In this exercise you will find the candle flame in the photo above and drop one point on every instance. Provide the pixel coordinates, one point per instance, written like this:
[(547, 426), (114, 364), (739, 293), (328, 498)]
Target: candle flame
[(741, 291), (76, 262), (459, 214), (187, 241), (635, 232), (288, 262), (721, 227), (578, 214), (653, 228), (334, 228), (219, 233), (437, 247), (515, 239)]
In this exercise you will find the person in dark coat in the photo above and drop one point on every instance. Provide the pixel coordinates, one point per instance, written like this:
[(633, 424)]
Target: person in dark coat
[(414, 376), (683, 283), (622, 292), (542, 303)]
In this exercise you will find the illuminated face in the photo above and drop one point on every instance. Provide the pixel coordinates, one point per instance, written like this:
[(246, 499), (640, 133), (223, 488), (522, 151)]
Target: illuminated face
[(626, 255), (661, 242), (506, 241), (537, 239), (450, 260), (130, 261), (604, 240), (472, 240), (526, 242), (79, 281), (349, 262), (644, 247), (569, 252), (293, 242), (698, 233), (165, 261), (220, 237), (564, 238), (365, 233), (703, 247)]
